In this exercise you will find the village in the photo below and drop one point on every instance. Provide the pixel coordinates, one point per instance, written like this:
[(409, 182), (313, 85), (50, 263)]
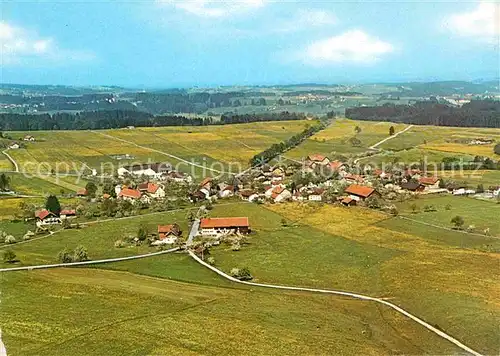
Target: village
[(317, 180)]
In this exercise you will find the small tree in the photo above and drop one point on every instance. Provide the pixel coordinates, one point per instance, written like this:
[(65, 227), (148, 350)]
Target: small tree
[(9, 256), (414, 208), (91, 189), (391, 130), (284, 223), (52, 204), (9, 239), (458, 221), (80, 254), (373, 203), (143, 232), (65, 256), (480, 188), (496, 149), (357, 130), (448, 207)]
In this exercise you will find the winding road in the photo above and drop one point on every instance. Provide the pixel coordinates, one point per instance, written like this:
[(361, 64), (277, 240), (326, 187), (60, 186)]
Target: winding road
[(345, 294)]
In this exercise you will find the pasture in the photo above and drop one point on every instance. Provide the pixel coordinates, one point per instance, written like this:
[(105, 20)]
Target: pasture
[(90, 311), (440, 275)]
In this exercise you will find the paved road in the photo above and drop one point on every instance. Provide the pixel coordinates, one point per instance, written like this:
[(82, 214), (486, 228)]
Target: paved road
[(9, 157), (345, 294), (193, 232)]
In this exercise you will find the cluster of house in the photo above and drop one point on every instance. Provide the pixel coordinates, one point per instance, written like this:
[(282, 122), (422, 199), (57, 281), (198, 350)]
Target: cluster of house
[(15, 145), (209, 227), (156, 171), (45, 217)]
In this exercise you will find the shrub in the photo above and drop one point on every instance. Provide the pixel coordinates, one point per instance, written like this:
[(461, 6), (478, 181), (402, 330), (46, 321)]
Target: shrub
[(211, 261), (119, 215), (9, 239), (28, 235), (448, 207), (242, 274), (142, 233), (80, 254), (393, 211), (458, 221), (119, 244), (429, 208), (414, 208), (9, 256), (65, 256)]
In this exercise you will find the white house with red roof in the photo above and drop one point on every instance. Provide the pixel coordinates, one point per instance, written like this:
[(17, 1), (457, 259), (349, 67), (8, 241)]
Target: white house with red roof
[(360, 192), (67, 214), (45, 217), (131, 195), (213, 227)]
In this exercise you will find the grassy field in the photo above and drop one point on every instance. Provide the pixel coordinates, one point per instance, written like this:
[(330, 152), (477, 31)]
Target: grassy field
[(445, 139), (481, 214), (82, 311), (440, 275), (334, 139), (77, 151), (9, 207)]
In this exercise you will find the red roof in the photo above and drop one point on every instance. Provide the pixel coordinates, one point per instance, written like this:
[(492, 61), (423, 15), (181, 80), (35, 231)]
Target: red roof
[(428, 180), (153, 188), (106, 196), (274, 195), (68, 212), (316, 158), (130, 193), (354, 177), (223, 222), (247, 193), (335, 165), (42, 214), (347, 200), (205, 181), (82, 192), (143, 186), (278, 190), (360, 190)]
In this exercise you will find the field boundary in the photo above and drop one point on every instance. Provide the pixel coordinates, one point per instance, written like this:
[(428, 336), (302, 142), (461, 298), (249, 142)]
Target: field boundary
[(85, 263), (345, 294), (373, 147)]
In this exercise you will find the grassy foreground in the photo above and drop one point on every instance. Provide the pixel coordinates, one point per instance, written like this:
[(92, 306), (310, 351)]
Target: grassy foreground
[(82, 312)]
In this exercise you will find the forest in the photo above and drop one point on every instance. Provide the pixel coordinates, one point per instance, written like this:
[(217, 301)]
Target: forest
[(477, 113), (112, 119)]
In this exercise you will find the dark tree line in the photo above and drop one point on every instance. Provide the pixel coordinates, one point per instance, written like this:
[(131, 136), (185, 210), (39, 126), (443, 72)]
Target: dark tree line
[(283, 146), (477, 113), (111, 119)]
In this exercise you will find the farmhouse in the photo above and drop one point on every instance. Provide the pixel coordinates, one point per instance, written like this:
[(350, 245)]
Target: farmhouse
[(130, 194), (206, 183), (337, 166), (248, 195), (67, 214), (316, 194), (45, 217), (317, 159), (14, 146), (82, 193), (430, 182), (412, 186), (359, 192), (28, 138), (152, 189), (227, 191), (168, 234), (278, 193), (152, 170), (217, 226)]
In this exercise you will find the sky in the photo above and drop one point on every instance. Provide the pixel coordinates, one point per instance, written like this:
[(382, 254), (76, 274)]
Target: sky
[(180, 43)]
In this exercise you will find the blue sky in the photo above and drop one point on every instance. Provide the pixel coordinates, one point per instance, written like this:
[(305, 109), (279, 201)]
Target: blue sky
[(173, 43)]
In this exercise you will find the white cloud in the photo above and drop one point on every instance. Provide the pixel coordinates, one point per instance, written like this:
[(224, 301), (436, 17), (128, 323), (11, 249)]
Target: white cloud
[(482, 23), (19, 46), (351, 46), (214, 8), (306, 19)]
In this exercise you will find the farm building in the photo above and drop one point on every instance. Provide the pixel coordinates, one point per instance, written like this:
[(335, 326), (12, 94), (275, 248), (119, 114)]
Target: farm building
[(168, 234), (217, 226), (130, 194), (316, 159), (430, 182), (45, 217), (67, 214), (152, 170), (360, 192)]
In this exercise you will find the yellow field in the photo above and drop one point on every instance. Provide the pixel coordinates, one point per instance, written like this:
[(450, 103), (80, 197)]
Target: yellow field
[(344, 128), (475, 150), (72, 150)]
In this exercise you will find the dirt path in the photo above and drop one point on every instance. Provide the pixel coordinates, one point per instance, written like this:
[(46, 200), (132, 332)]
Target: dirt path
[(373, 147), (345, 294), (12, 160)]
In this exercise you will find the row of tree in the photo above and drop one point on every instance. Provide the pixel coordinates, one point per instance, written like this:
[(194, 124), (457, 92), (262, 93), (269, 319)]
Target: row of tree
[(111, 119), (279, 148), (477, 113)]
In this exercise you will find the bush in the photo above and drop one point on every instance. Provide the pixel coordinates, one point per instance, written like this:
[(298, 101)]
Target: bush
[(393, 211), (9, 256), (80, 254), (242, 274), (65, 256), (119, 215), (211, 261), (9, 239), (414, 208), (28, 235), (119, 244), (458, 221), (429, 208), (448, 207), (143, 232)]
